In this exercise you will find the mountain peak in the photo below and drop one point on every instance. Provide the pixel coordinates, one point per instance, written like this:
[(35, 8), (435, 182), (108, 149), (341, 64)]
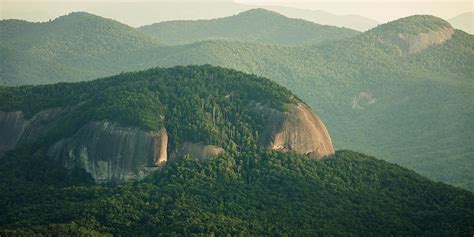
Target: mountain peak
[(256, 25), (81, 15), (415, 33), (415, 24), (260, 12)]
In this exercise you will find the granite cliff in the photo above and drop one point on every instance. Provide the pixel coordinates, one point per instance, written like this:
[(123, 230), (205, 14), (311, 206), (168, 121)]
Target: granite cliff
[(119, 130), (110, 152), (17, 129), (414, 34), (297, 129)]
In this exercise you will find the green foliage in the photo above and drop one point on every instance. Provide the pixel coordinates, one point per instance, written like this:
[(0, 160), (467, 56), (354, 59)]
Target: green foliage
[(65, 43), (195, 103), (422, 105), (257, 25), (414, 25), (259, 192)]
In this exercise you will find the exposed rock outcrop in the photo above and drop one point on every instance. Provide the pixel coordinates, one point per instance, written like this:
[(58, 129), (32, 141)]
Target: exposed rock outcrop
[(198, 150), (414, 43), (111, 153), (16, 129), (298, 129), (362, 100)]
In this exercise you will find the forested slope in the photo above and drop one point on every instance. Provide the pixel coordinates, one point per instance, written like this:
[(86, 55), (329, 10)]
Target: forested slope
[(375, 95), (250, 193), (256, 25)]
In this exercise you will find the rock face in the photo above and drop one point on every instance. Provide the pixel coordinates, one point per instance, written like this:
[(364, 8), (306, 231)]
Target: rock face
[(198, 150), (414, 43), (16, 129), (362, 100), (111, 153), (298, 129)]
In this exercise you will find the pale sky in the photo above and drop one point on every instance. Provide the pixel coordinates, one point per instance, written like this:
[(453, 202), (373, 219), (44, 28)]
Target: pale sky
[(140, 11), (380, 10)]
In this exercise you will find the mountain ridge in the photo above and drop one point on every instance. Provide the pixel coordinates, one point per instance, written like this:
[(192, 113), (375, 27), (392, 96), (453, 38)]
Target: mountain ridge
[(463, 22), (408, 90), (414, 34), (355, 22), (256, 25), (119, 128)]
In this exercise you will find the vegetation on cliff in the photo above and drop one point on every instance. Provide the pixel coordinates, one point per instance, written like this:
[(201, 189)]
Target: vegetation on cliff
[(246, 190), (417, 109), (204, 104)]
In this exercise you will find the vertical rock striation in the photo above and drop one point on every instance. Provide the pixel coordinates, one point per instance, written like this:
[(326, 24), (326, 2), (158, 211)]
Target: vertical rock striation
[(111, 153), (298, 129), (16, 129)]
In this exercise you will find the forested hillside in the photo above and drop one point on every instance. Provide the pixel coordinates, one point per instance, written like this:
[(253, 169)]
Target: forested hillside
[(60, 49), (203, 104), (257, 25), (257, 192), (374, 96), (246, 189), (390, 102)]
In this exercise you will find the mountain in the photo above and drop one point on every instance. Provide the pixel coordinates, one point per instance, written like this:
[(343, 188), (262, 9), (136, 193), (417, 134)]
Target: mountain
[(256, 25), (398, 97), (63, 44), (81, 133), (407, 100), (118, 128), (145, 13), (415, 33), (463, 22), (355, 22)]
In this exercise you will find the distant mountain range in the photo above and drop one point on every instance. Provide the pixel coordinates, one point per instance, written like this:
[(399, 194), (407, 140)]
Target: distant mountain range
[(257, 25), (146, 13), (401, 91), (355, 22), (463, 22)]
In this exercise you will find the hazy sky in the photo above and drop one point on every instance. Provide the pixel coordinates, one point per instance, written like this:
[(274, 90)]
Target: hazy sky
[(138, 12), (380, 10)]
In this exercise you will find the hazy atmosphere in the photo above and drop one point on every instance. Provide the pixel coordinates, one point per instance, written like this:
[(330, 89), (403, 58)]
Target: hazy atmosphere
[(138, 13)]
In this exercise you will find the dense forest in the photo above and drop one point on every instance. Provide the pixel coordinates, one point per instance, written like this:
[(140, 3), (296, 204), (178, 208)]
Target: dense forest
[(414, 110), (257, 192), (257, 25), (204, 104), (415, 24), (245, 190)]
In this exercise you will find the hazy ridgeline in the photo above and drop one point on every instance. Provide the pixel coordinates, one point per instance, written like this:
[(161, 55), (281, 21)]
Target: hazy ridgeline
[(374, 96)]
